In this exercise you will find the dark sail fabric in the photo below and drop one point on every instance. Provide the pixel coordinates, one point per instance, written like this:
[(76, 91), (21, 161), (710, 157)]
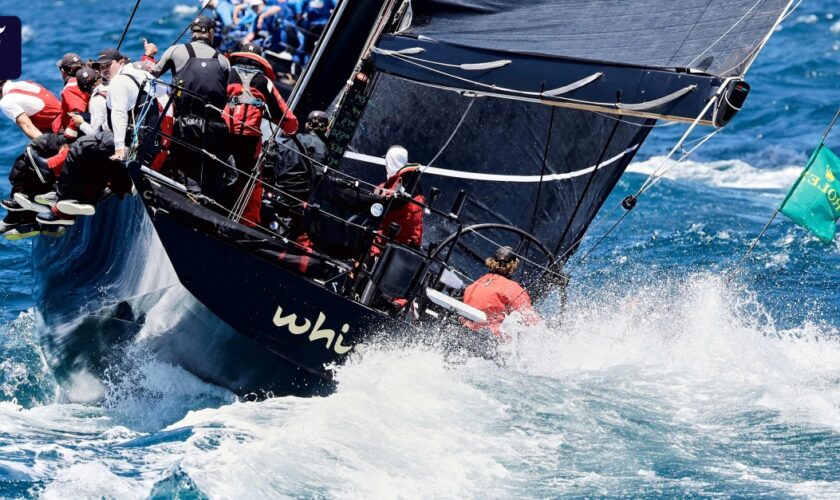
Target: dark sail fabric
[(720, 37), (521, 163)]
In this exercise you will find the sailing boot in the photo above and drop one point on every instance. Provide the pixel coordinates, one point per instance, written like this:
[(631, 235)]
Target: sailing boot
[(55, 218), (48, 199), (73, 207), (29, 205), (19, 225), (11, 205)]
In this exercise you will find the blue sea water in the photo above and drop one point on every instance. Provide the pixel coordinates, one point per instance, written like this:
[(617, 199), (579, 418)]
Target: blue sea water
[(665, 379)]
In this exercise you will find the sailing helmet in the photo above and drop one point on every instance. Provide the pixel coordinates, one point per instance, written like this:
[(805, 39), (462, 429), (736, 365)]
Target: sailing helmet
[(317, 120)]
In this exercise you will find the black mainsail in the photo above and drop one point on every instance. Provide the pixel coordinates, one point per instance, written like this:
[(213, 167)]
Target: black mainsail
[(536, 108)]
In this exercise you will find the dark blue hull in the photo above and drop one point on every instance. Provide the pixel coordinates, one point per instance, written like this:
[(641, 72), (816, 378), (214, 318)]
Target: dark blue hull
[(108, 284)]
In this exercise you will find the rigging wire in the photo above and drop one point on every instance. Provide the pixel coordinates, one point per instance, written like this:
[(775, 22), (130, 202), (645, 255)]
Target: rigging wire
[(776, 212), (128, 24), (624, 203), (586, 189), (725, 33), (206, 4), (752, 54), (452, 135)]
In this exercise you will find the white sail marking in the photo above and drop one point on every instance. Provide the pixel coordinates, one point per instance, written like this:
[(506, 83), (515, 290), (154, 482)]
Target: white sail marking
[(479, 176)]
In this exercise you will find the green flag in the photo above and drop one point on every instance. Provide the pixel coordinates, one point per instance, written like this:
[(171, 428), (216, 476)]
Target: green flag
[(814, 201)]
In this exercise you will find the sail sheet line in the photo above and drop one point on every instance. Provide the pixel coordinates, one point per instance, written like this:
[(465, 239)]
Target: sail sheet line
[(480, 176), (548, 97), (747, 61), (662, 166)]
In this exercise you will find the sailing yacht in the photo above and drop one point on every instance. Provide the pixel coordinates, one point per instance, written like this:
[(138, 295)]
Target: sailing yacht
[(520, 117)]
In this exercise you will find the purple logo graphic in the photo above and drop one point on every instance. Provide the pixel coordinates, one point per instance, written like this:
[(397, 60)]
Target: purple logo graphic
[(10, 42)]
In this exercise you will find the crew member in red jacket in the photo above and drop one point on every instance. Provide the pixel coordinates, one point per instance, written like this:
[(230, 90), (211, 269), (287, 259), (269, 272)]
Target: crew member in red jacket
[(252, 96), (497, 295), (73, 98), (408, 215), (35, 110)]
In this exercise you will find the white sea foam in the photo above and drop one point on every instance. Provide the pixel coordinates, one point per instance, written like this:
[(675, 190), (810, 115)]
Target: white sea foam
[(733, 174), (184, 10), (692, 371), (835, 28), (807, 19)]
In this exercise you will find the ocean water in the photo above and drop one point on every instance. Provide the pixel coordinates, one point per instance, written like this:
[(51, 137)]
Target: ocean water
[(666, 377)]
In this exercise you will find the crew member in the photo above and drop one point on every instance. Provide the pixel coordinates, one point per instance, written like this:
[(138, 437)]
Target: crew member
[(92, 160), (126, 93), (496, 294), (202, 73), (252, 97), (35, 110), (405, 213), (73, 99)]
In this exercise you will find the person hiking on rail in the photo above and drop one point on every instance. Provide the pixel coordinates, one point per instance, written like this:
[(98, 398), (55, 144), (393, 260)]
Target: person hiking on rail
[(34, 109)]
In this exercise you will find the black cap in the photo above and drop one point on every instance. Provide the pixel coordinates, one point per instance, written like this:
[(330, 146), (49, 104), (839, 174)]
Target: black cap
[(69, 60), (203, 24), (86, 79), (250, 47), (504, 254), (109, 55)]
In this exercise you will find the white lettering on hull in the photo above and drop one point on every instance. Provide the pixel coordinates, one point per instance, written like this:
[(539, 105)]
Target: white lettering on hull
[(317, 332)]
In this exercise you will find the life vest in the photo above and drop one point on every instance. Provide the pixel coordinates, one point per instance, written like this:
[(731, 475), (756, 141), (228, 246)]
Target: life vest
[(408, 215), (246, 104), (497, 297), (150, 119), (167, 128), (134, 112), (73, 100), (45, 119), (203, 77)]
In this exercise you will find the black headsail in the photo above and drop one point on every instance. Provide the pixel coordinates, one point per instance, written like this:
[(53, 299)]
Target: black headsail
[(536, 108)]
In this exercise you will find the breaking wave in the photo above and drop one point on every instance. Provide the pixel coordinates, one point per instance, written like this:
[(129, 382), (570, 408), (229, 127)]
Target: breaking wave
[(671, 388), (731, 174)]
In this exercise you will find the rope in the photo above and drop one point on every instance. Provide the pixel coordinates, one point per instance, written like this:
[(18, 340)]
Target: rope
[(663, 168), (586, 189), (737, 268), (725, 34), (690, 129), (452, 135), (542, 170), (630, 202), (752, 53)]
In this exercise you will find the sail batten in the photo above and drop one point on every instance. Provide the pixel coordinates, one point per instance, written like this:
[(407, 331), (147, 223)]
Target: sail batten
[(610, 88)]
